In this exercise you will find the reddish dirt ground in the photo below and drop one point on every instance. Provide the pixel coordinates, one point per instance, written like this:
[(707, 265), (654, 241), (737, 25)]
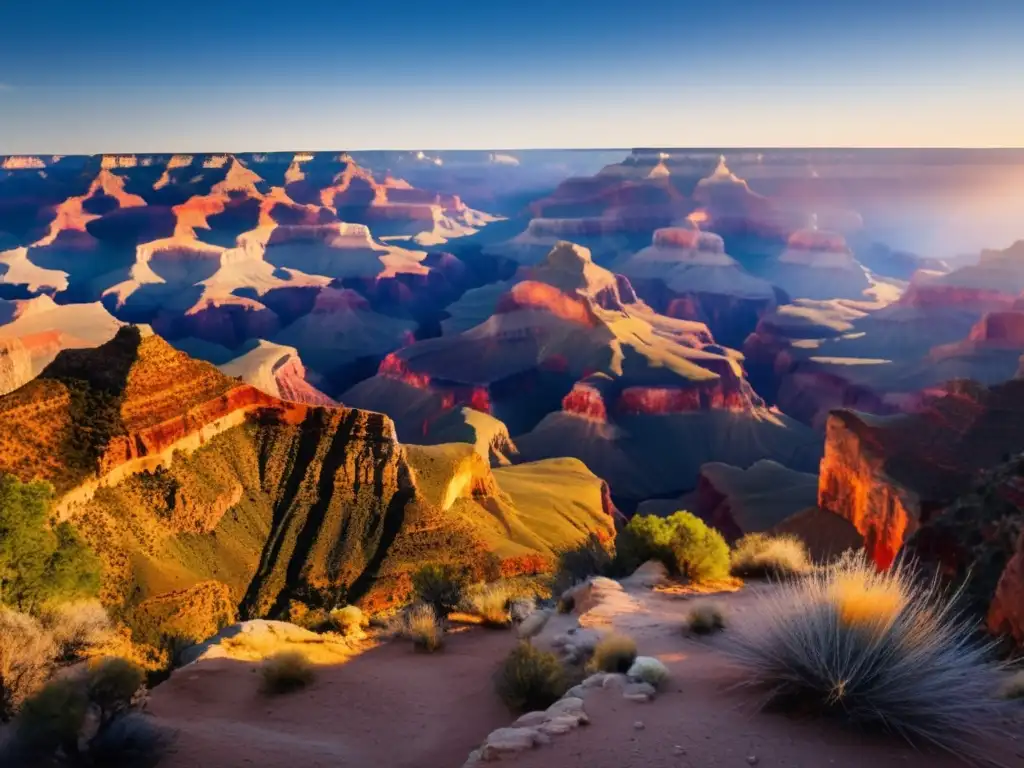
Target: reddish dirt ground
[(387, 708)]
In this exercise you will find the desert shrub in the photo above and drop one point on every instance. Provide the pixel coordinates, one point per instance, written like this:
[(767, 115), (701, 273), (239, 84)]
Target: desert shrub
[(758, 555), (681, 541), (614, 653), (112, 685), (566, 604), (58, 720), (77, 627), (530, 679), (422, 625), (440, 586), (590, 557), (705, 619), (348, 620), (648, 670), (491, 603), (40, 563), (285, 672), (882, 649), (27, 652), (699, 552)]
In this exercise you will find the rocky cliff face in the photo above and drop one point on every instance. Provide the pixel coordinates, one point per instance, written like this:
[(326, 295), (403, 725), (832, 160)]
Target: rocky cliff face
[(892, 476), (978, 540)]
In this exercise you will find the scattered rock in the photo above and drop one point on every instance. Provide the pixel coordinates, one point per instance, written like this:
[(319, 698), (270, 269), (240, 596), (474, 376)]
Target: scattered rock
[(678, 749), (506, 740), (577, 691), (570, 705), (639, 725), (752, 760), (614, 680), (595, 681), (639, 692), (560, 724), (647, 669), (531, 719)]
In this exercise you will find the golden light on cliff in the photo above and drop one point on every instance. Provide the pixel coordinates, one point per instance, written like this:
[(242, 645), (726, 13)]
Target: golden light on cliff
[(698, 217)]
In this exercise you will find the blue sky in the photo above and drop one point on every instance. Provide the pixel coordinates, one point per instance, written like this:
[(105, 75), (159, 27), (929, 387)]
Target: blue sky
[(179, 76)]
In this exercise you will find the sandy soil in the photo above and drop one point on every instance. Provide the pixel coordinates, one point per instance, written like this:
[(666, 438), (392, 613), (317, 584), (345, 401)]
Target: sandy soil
[(387, 708), (393, 708), (702, 719)]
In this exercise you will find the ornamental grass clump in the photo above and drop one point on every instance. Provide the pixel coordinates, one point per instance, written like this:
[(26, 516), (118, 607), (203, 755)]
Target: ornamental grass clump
[(882, 649)]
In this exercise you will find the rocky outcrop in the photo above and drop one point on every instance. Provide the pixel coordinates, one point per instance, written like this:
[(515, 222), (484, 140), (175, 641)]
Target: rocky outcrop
[(890, 476), (978, 541)]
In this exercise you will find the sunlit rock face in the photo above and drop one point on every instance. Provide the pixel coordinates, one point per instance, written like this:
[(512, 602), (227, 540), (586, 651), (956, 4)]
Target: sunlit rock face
[(891, 476), (817, 264), (686, 273), (994, 283)]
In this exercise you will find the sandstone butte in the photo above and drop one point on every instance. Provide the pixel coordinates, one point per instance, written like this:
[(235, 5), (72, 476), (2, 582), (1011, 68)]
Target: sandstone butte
[(204, 495), (923, 483)]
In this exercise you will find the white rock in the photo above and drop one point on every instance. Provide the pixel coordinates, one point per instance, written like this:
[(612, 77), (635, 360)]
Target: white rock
[(505, 740), (577, 691), (639, 692), (533, 624), (531, 719), (596, 680), (570, 705), (647, 669), (614, 680), (639, 725), (650, 574), (559, 725)]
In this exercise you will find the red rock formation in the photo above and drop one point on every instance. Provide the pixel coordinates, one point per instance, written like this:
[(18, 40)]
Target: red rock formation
[(1006, 613), (585, 400), (889, 475), (530, 294)]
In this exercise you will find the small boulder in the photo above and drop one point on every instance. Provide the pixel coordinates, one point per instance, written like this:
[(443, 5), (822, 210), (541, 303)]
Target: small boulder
[(505, 740), (531, 719), (647, 669), (639, 692)]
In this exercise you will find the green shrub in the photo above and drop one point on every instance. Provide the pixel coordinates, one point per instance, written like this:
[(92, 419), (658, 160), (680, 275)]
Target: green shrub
[(55, 721), (614, 653), (27, 653), (590, 557), (876, 648), (39, 563), (440, 586), (285, 672), (348, 620), (699, 552), (705, 619), (530, 679), (681, 541), (758, 555), (422, 625), (112, 684)]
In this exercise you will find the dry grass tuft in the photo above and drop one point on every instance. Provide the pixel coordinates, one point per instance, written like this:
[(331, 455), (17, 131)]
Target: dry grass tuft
[(491, 602), (78, 628), (348, 620), (285, 672), (27, 652), (759, 555), (422, 625), (530, 679), (614, 653), (880, 649), (705, 619)]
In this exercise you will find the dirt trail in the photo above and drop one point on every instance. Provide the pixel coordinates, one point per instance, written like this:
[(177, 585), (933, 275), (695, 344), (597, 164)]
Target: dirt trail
[(387, 708), (702, 720)]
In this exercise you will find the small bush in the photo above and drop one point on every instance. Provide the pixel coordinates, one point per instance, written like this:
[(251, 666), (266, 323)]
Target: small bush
[(681, 541), (590, 557), (285, 672), (530, 679), (78, 627), (440, 586), (348, 620), (566, 604), (879, 649), (759, 555), (424, 628), (614, 653), (491, 604), (705, 619), (27, 652), (649, 670), (699, 552), (56, 720), (112, 685)]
